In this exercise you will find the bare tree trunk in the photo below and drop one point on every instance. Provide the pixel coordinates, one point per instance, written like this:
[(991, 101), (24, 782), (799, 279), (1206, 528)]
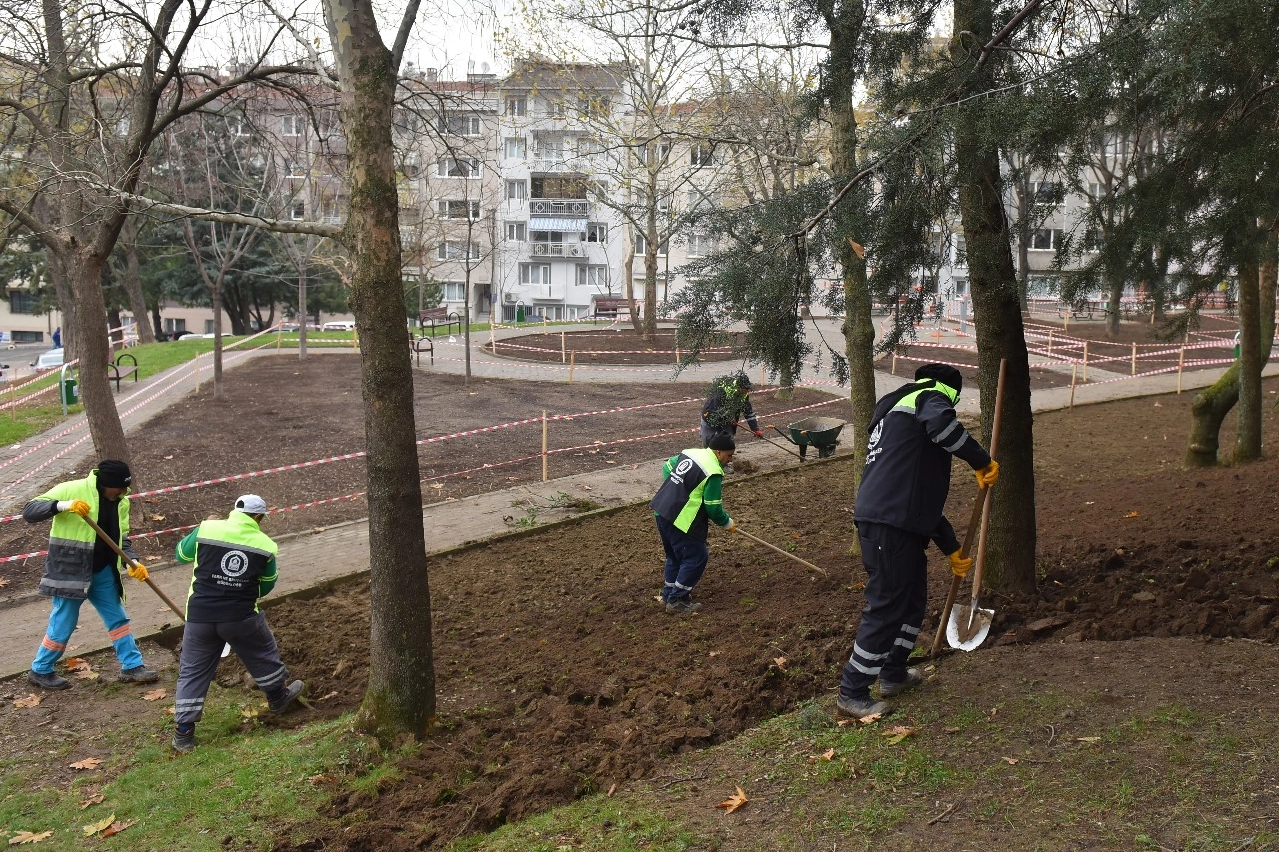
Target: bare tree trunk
[(84, 268), (1248, 436), (997, 309), (401, 687), (1115, 293), (66, 304)]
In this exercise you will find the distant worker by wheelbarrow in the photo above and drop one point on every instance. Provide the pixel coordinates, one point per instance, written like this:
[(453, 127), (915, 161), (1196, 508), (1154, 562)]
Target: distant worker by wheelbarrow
[(728, 404)]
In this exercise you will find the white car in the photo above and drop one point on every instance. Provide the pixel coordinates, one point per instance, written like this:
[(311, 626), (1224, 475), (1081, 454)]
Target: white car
[(48, 360), (339, 326)]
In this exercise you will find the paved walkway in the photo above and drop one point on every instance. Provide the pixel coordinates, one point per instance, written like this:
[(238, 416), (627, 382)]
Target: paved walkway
[(310, 558)]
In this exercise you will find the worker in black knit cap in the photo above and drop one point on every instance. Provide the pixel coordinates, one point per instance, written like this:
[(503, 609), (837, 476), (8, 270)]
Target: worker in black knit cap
[(913, 434)]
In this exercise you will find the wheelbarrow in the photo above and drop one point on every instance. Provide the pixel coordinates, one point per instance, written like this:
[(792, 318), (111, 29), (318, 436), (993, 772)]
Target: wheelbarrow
[(819, 432)]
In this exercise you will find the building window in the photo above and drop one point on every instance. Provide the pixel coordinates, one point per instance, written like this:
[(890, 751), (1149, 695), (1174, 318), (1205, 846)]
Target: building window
[(516, 232), (239, 125), (961, 250), (700, 245), (559, 187), (517, 106), (1046, 239), (453, 167), (1045, 193), (208, 327), (456, 250), (22, 302), (699, 200), (535, 273), (297, 212), (28, 336), (588, 147), (702, 154), (459, 124), (454, 291), (293, 125), (593, 276), (597, 232), (641, 246), (172, 325), (593, 107), (516, 148), (297, 168), (516, 190), (459, 210)]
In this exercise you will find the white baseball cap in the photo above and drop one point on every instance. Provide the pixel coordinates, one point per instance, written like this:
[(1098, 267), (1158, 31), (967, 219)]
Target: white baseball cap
[(251, 504)]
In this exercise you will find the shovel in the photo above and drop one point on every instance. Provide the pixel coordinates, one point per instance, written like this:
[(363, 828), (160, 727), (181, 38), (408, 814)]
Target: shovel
[(226, 649), (967, 626)]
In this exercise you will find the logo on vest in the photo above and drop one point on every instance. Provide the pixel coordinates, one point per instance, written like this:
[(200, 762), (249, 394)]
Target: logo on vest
[(677, 475), (872, 451), (235, 563)]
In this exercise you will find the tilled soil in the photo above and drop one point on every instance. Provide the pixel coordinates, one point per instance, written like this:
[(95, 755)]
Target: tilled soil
[(614, 345), (558, 673), (279, 412)]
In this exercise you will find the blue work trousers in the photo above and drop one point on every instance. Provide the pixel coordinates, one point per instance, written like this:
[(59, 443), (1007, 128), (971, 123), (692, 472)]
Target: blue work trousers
[(106, 600), (686, 558)]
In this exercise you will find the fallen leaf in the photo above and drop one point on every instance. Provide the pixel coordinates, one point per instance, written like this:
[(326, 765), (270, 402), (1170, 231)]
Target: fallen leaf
[(1088, 739), (3, 582), (897, 733), (611, 790), (950, 730), (734, 801), (171, 710), (30, 701), (86, 673), (713, 654), (332, 694), (249, 712), (101, 825), (153, 695), (157, 517), (92, 800), (1011, 761), (828, 754), (87, 763), (1131, 514), (870, 719), (117, 827), (780, 662), (319, 779), (170, 458), (75, 664), (29, 837)]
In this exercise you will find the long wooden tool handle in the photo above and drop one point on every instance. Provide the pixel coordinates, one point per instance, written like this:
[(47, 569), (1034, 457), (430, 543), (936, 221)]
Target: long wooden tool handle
[(969, 537), (97, 529), (985, 524), (803, 562)]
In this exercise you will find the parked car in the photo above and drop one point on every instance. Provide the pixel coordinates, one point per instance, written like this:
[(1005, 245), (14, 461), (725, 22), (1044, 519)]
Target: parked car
[(339, 326), (50, 360)]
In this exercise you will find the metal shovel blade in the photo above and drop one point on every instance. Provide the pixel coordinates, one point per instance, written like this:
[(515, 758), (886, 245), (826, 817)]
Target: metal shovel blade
[(226, 650), (964, 633)]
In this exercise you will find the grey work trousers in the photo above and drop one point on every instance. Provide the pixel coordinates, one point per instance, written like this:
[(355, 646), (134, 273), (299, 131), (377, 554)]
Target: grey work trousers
[(250, 639)]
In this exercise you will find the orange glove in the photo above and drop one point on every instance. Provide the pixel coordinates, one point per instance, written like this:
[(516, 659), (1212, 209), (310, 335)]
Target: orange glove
[(139, 572), (988, 475), (758, 433), (80, 507), (731, 526), (960, 565)]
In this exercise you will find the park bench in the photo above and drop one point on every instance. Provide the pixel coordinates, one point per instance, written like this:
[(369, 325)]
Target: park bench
[(423, 344), (118, 370), (439, 318), (608, 307)]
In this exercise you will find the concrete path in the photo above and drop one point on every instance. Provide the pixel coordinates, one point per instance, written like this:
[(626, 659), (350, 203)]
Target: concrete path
[(310, 558)]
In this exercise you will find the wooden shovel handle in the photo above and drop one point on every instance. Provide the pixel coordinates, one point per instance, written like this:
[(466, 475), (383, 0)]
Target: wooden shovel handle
[(102, 535), (985, 524)]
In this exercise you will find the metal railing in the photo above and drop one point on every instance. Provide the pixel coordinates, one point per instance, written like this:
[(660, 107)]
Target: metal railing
[(559, 206)]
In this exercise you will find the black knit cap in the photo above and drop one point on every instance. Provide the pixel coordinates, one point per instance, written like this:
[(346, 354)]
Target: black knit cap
[(113, 474), (722, 441), (943, 373)]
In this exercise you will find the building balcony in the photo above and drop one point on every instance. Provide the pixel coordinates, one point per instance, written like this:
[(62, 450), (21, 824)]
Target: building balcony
[(555, 250), (559, 206)]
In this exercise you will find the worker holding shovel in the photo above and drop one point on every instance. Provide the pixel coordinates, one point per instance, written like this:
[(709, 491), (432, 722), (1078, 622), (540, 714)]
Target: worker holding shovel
[(234, 567), (81, 565), (913, 434)]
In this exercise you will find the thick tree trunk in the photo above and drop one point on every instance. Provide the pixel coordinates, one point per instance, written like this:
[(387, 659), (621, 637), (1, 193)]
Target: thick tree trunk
[(1114, 293), (1010, 561), (401, 687), (85, 272), (651, 246), (215, 296)]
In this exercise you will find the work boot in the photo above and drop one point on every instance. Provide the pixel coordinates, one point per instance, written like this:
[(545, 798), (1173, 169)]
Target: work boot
[(284, 700), (888, 689), (682, 607), (860, 708), (47, 681), (183, 741), (139, 674)]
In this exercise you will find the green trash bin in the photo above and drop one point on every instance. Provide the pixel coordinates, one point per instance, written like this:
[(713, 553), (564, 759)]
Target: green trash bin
[(70, 393), (519, 313), (1236, 346)]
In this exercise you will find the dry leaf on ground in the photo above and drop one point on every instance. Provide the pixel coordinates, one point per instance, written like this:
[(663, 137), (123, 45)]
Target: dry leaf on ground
[(29, 837), (3, 582), (87, 763), (30, 701), (92, 800), (897, 733), (1132, 514), (828, 754), (157, 517), (77, 663), (117, 827), (1088, 739), (85, 673), (734, 801), (780, 662), (333, 694), (1011, 761), (101, 825), (153, 695)]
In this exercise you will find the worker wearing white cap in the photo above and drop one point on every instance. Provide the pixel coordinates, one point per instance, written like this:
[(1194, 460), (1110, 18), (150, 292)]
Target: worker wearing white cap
[(234, 567)]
